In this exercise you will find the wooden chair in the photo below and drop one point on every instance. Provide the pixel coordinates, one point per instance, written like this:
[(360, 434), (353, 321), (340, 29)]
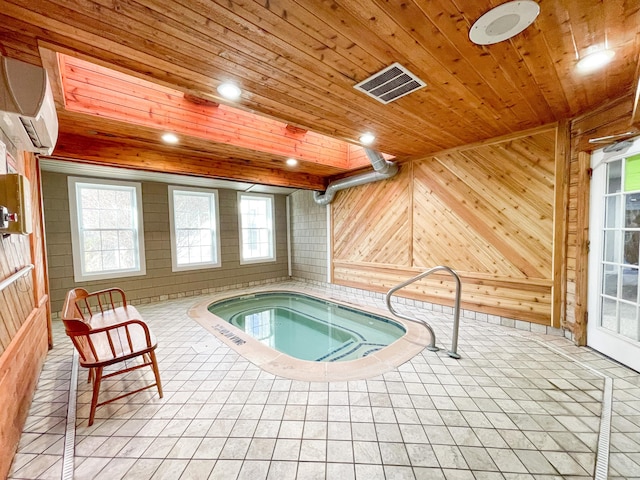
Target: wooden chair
[(106, 332)]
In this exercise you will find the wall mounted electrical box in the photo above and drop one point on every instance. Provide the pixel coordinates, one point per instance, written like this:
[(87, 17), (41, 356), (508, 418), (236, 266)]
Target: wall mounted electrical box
[(15, 204)]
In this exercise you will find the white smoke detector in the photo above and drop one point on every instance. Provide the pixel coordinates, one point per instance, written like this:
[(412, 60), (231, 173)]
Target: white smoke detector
[(503, 22)]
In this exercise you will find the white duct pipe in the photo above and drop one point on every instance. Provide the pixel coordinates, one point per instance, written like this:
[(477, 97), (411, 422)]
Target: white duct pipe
[(383, 169)]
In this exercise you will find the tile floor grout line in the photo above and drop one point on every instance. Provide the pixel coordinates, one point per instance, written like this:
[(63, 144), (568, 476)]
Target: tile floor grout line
[(70, 430)]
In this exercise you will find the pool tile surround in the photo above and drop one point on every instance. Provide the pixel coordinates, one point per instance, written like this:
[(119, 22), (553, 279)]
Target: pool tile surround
[(277, 363)]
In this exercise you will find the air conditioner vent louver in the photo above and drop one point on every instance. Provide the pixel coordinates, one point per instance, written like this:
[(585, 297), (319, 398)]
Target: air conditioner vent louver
[(391, 83), (31, 131)]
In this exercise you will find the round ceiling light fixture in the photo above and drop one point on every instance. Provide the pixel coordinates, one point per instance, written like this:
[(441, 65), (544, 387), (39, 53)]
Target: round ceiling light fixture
[(170, 138), (595, 58), (292, 162), (367, 138), (503, 22), (229, 91)]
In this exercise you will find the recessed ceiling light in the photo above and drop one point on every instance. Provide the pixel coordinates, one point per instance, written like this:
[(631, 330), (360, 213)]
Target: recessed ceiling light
[(292, 162), (170, 138), (503, 22), (594, 60), (229, 91), (367, 138)]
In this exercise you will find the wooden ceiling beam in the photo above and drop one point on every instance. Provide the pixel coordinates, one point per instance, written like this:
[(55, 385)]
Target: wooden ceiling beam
[(133, 155)]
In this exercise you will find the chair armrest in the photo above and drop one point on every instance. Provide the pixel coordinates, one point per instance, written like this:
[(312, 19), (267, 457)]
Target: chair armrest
[(113, 343), (124, 325)]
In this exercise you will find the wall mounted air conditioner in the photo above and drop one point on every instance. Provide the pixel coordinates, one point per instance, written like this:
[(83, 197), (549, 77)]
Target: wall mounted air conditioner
[(27, 112)]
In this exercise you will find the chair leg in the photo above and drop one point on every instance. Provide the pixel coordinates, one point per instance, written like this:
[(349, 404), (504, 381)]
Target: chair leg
[(156, 371), (90, 376), (96, 392)]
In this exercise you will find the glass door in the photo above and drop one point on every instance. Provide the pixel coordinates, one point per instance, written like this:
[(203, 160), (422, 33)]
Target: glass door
[(614, 304)]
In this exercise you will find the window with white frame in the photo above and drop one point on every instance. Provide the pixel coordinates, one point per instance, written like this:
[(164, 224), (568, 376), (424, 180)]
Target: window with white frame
[(106, 228), (257, 232), (195, 239)]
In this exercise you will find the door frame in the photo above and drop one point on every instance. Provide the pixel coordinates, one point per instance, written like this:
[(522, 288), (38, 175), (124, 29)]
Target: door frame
[(614, 345)]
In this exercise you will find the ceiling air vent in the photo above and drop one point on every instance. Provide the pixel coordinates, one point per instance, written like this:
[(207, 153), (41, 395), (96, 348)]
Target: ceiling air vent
[(391, 83)]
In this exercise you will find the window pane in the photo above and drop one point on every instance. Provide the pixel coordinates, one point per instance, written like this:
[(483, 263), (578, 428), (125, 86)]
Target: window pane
[(609, 314), (127, 258), (632, 212), (183, 255), (615, 177), (612, 250), (110, 260), (256, 222), (110, 240), (628, 321), (108, 198), (610, 281), (93, 262), (612, 210), (107, 220), (205, 237), (194, 224), (90, 218), (126, 218), (631, 247), (92, 241), (630, 284), (126, 239), (89, 198)]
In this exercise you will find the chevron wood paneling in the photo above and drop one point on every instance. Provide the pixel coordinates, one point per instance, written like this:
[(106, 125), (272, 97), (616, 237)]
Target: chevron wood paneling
[(372, 223), (487, 211), (504, 195)]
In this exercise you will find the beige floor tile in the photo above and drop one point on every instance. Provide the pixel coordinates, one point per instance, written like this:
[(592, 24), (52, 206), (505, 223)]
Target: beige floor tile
[(510, 408)]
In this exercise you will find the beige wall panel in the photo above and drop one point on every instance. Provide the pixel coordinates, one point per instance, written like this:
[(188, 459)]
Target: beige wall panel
[(372, 223), (160, 281)]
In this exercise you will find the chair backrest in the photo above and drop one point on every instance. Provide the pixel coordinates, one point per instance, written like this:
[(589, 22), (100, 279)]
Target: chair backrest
[(72, 315)]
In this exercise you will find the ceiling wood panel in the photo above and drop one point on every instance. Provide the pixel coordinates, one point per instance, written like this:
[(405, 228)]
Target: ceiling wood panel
[(297, 61)]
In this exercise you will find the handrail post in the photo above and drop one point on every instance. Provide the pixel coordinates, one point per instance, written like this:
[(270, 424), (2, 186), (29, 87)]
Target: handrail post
[(453, 353), (432, 345), (456, 312)]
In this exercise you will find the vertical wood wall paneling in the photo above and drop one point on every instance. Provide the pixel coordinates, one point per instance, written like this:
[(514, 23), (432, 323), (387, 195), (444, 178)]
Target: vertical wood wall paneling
[(38, 248), (411, 209), (582, 248), (487, 210), (23, 322), (635, 114), (558, 290), (609, 119)]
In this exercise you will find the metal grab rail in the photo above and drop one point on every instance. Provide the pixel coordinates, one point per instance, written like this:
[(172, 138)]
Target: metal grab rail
[(456, 313), (12, 278)]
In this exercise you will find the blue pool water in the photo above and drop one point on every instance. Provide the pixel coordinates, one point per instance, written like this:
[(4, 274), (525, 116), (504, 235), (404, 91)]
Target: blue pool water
[(308, 328)]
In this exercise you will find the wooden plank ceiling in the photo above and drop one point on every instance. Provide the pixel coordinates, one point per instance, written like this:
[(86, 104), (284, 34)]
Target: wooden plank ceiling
[(298, 61)]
